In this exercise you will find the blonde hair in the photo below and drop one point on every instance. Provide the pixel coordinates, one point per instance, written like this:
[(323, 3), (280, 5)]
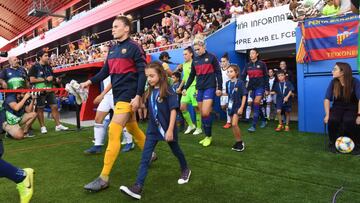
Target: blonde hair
[(199, 40), (126, 19)]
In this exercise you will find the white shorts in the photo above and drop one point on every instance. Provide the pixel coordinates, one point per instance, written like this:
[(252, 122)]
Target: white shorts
[(106, 104), (224, 100), (271, 98), (249, 99)]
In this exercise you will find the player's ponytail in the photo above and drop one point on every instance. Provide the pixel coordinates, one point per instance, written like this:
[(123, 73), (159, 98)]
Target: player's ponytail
[(126, 19)]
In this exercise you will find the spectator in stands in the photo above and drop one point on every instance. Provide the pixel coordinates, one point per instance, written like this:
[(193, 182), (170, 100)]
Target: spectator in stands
[(19, 114), (41, 76), (331, 8), (187, 37), (302, 11), (236, 9), (267, 4), (254, 7), (260, 4), (343, 118), (164, 43), (166, 22), (345, 6), (228, 4), (199, 27), (355, 6), (180, 17)]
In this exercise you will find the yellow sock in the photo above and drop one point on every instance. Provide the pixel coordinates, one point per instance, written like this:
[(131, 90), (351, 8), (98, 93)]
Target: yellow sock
[(113, 148), (138, 135)]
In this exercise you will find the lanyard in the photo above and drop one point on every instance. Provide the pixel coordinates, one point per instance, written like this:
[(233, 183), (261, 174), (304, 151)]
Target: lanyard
[(233, 90), (282, 90), (154, 107)]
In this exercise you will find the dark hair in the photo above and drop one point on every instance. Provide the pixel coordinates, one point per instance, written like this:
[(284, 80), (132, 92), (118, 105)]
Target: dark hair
[(163, 80), (236, 68), (226, 56), (176, 74), (280, 72), (348, 82), (190, 50), (255, 49), (126, 20), (41, 53)]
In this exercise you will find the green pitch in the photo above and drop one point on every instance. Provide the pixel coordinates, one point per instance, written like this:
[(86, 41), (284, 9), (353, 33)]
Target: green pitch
[(275, 167)]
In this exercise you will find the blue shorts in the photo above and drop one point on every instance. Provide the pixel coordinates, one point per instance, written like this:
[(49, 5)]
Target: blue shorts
[(205, 94), (283, 107), (257, 92)]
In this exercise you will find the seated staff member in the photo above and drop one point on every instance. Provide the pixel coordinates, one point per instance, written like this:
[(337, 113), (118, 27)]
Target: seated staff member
[(344, 91), (41, 76), (19, 114)]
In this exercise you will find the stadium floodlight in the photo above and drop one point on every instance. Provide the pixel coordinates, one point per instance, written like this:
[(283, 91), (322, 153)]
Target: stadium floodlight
[(40, 9)]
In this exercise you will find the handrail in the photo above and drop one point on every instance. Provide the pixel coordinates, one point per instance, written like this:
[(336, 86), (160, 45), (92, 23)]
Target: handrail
[(176, 7)]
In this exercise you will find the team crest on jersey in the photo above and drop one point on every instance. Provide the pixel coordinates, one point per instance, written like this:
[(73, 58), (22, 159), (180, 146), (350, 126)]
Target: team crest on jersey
[(123, 51), (258, 66), (111, 52), (159, 100), (10, 74), (41, 73), (206, 59)]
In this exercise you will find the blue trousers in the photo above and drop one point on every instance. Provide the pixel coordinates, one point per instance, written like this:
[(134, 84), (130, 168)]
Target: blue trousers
[(9, 171), (146, 158)]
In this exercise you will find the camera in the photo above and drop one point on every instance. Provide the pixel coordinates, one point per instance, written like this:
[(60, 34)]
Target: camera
[(3, 54)]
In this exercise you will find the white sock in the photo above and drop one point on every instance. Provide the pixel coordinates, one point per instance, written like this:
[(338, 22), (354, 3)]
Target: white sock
[(248, 111), (127, 137), (99, 134), (268, 110), (228, 118)]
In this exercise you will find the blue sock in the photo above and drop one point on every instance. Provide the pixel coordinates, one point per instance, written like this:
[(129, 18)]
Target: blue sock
[(206, 121), (256, 114), (11, 172)]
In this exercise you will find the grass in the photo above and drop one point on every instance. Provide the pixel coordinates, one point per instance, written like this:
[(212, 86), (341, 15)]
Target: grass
[(275, 167)]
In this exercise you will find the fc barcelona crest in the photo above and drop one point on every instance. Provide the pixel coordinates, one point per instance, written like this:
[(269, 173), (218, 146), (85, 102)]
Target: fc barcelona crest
[(123, 51), (159, 100), (258, 66), (206, 59)]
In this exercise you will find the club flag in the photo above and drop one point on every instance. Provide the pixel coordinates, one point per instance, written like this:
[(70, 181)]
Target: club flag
[(332, 38), (164, 8)]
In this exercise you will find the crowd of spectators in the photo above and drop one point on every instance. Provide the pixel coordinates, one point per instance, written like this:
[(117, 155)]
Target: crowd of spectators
[(176, 30)]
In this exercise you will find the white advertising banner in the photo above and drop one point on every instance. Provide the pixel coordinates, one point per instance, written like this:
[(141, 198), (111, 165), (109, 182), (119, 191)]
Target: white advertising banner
[(265, 28)]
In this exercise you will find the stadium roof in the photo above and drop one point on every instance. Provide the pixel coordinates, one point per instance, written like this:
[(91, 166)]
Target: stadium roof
[(14, 19)]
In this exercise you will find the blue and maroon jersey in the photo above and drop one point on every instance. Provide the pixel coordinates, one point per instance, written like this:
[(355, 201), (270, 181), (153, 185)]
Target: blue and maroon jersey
[(258, 77), (207, 70), (126, 65)]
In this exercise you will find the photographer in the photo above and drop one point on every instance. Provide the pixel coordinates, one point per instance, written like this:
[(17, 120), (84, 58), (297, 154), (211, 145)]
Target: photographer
[(19, 114), (41, 76)]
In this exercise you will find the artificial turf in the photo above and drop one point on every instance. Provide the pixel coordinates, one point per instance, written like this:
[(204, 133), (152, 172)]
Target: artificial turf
[(275, 167)]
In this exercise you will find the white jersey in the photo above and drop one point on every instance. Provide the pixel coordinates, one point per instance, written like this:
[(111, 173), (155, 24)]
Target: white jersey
[(271, 82), (106, 82), (225, 78)]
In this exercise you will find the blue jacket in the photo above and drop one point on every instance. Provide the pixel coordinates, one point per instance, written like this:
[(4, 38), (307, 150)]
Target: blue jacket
[(258, 77), (207, 70), (125, 64)]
